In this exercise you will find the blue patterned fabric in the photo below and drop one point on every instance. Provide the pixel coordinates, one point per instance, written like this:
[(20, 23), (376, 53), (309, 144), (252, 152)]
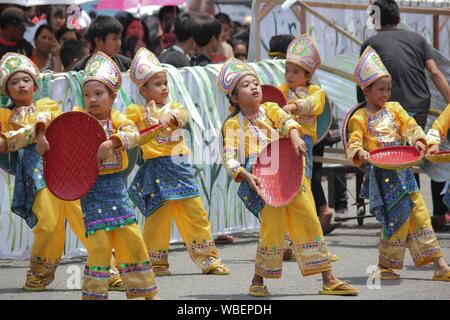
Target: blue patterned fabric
[(446, 193), (309, 156), (29, 180), (389, 192), (107, 206), (253, 202), (161, 179)]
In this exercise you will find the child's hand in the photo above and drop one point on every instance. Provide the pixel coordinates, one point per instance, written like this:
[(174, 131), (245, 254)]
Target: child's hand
[(103, 151), (2, 144), (363, 156), (298, 143), (167, 120), (433, 149), (420, 146), (253, 181), (42, 145), (290, 108)]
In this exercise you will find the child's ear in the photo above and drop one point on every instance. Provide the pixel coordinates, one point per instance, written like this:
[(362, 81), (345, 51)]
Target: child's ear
[(365, 91), (143, 90)]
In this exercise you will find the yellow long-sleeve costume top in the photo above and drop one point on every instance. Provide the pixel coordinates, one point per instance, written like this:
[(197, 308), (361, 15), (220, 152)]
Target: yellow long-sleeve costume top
[(18, 124), (119, 126), (170, 139), (440, 127), (310, 102), (270, 123), (389, 126)]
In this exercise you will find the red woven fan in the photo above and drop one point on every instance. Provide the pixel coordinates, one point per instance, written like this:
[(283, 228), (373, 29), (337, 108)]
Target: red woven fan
[(396, 158), (280, 171), (70, 166), (273, 94)]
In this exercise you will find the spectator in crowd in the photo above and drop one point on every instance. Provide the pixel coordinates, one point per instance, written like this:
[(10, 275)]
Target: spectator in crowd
[(57, 17), (225, 50), (239, 49), (406, 56), (166, 38), (135, 36), (71, 52), (12, 24), (105, 34), (46, 54), (278, 45), (65, 34), (206, 33), (178, 54)]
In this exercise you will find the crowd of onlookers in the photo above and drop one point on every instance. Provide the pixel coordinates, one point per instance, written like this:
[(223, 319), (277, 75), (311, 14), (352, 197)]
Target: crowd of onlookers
[(58, 42)]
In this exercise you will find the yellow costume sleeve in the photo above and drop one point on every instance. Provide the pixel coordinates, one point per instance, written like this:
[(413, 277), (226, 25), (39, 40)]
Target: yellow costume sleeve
[(313, 104), (46, 111), (282, 121), (440, 127), (5, 113), (127, 131), (231, 146), (18, 139), (408, 126), (134, 113), (357, 129), (180, 113)]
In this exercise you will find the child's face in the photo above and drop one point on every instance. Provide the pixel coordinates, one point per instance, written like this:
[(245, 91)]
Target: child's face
[(295, 75), (249, 92), (379, 92), (20, 88), (156, 88), (98, 99), (111, 44)]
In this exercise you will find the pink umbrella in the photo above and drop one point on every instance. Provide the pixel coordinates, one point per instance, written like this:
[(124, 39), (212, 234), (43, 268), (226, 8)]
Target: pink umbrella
[(127, 4)]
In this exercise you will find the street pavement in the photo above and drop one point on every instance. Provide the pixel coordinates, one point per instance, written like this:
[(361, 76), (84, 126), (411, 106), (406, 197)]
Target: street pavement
[(355, 245)]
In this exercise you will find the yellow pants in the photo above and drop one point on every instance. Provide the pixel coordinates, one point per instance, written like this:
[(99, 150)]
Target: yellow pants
[(192, 223), (416, 233), (49, 235), (134, 264), (306, 233)]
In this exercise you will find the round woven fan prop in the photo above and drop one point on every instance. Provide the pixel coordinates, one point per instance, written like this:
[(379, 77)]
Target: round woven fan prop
[(273, 94), (395, 158), (70, 166), (442, 156), (279, 171)]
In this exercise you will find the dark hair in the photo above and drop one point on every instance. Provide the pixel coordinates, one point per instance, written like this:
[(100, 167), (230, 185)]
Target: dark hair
[(63, 31), (101, 27), (144, 26), (280, 43), (71, 50), (167, 9), (182, 28), (235, 42), (129, 45), (223, 18), (204, 27), (42, 28), (390, 13)]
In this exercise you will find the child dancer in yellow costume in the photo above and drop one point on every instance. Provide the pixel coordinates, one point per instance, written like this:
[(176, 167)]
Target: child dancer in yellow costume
[(246, 129), (435, 136), (23, 125), (109, 219), (164, 187), (305, 101), (394, 196)]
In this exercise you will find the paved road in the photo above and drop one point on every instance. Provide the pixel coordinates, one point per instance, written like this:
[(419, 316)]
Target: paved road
[(356, 247)]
